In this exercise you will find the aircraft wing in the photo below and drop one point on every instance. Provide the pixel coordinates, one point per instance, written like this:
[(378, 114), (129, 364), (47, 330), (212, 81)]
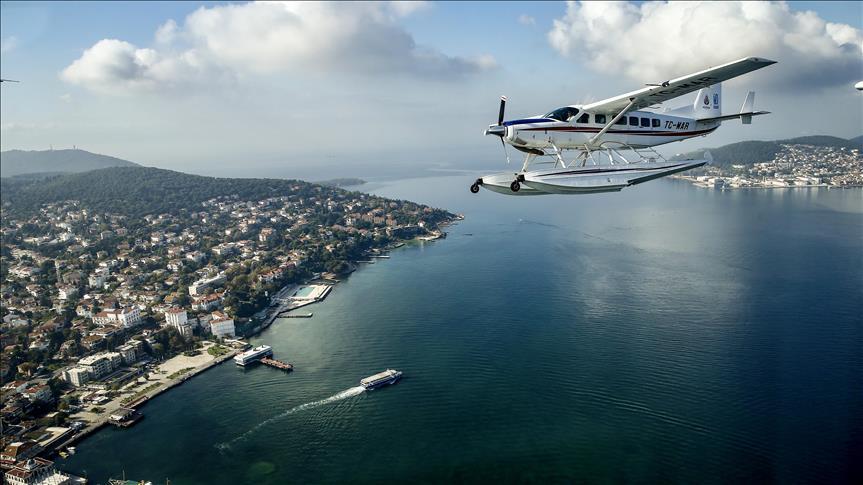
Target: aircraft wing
[(674, 88)]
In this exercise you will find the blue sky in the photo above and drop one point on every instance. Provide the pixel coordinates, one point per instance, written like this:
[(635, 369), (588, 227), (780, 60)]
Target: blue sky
[(404, 85)]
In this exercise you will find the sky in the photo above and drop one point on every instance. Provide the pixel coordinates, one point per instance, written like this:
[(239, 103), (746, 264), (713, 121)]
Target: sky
[(276, 89)]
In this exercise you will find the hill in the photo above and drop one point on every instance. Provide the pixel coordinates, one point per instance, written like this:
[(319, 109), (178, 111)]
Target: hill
[(750, 152), (18, 162), (137, 191)]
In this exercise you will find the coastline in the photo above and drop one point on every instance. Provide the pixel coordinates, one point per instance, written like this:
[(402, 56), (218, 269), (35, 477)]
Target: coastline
[(277, 308)]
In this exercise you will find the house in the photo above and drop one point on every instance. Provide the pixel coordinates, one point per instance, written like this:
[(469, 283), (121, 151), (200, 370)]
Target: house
[(222, 326)]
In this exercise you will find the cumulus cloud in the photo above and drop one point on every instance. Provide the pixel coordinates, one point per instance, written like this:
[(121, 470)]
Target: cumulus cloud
[(525, 19), (657, 40), (263, 37)]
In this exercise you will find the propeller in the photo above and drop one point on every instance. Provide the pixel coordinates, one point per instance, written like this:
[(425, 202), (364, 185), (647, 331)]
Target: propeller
[(499, 129)]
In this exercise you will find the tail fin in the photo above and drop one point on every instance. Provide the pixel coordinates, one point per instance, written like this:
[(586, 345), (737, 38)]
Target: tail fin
[(708, 102)]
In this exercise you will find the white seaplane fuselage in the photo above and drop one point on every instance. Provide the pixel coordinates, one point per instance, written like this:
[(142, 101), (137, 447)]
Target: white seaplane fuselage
[(637, 129)]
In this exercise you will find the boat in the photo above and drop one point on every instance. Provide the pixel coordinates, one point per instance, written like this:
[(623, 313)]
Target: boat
[(253, 355), (381, 379)]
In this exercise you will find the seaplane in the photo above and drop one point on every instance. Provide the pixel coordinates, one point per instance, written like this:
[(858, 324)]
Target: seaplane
[(613, 139)]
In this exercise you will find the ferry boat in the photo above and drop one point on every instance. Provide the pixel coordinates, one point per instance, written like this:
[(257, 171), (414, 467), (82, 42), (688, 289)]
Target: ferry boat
[(253, 355), (384, 378)]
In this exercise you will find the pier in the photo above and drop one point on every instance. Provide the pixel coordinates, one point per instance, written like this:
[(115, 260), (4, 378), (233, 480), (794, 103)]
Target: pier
[(297, 315), (277, 364)]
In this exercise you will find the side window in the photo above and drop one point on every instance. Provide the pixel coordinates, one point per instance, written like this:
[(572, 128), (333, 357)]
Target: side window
[(633, 121), (585, 118), (645, 122), (655, 123), (621, 121), (600, 119)]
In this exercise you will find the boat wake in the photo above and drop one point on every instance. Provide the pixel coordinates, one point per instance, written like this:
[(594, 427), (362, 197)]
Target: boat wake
[(351, 392)]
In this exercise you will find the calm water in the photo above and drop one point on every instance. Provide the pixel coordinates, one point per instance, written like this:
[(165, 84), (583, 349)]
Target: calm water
[(663, 334)]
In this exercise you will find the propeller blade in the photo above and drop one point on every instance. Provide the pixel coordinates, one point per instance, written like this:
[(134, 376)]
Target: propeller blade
[(500, 113), (505, 152)]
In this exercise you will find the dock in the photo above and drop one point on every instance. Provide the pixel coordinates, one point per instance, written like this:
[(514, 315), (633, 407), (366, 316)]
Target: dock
[(277, 364), (297, 315)]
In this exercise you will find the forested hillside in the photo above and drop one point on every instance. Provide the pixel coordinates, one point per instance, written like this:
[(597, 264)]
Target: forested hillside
[(17, 162), (137, 191)]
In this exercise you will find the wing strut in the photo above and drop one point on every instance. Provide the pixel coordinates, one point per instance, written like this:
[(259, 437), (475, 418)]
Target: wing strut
[(613, 121)]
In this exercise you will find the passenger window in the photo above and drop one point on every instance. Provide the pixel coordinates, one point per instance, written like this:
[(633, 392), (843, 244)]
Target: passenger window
[(633, 121), (600, 119), (585, 118), (645, 122), (655, 122), (621, 121)]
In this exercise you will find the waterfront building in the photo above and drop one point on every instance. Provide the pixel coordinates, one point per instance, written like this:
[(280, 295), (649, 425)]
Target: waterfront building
[(221, 326), (101, 364), (38, 471), (19, 451)]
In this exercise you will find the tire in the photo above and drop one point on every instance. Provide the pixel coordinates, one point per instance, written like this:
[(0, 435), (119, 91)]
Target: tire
[(474, 188), (515, 186)]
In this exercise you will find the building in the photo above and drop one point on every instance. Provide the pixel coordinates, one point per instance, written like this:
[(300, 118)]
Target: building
[(41, 393), (177, 318), (37, 471), (101, 364), (199, 287), (77, 376), (126, 317), (129, 352), (97, 279), (68, 292), (221, 326), (19, 451), (207, 302)]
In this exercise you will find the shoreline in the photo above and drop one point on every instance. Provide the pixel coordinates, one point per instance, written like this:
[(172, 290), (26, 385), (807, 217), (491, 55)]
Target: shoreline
[(169, 383), (274, 311)]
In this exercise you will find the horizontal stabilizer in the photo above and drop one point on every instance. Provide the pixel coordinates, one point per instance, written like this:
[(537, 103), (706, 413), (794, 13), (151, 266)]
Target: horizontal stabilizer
[(749, 115)]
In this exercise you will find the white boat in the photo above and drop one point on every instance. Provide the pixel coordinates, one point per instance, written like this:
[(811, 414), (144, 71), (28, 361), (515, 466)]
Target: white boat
[(253, 355)]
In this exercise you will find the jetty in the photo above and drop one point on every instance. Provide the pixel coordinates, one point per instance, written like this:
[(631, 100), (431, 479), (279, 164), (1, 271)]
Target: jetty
[(277, 364), (297, 315)]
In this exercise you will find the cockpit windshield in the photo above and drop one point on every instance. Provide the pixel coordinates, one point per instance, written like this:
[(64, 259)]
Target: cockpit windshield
[(562, 114)]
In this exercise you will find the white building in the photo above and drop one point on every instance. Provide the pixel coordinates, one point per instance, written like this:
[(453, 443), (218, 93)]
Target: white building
[(222, 326), (129, 353), (97, 279), (101, 364), (68, 292), (36, 471), (77, 376), (126, 317), (199, 287), (176, 317)]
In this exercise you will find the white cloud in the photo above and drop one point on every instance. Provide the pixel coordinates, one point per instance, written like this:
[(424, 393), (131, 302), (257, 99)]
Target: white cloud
[(66, 98), (235, 40), (657, 40), (525, 19), (8, 44)]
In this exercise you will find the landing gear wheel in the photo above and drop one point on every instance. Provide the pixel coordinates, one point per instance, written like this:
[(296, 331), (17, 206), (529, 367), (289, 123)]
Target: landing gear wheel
[(474, 188), (515, 186)]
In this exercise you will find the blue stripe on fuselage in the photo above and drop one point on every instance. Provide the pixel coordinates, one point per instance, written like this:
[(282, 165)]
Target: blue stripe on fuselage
[(527, 121)]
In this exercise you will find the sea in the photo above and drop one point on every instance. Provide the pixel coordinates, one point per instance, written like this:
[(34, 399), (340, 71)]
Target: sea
[(664, 334)]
